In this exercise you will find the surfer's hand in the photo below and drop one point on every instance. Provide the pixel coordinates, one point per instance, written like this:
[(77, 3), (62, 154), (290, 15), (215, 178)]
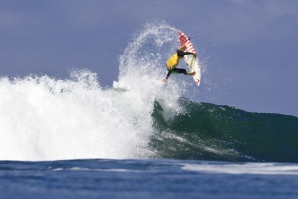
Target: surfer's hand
[(164, 80), (195, 55), (183, 47)]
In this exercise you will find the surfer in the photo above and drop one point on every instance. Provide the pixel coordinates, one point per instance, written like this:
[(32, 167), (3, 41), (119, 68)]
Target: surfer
[(173, 61)]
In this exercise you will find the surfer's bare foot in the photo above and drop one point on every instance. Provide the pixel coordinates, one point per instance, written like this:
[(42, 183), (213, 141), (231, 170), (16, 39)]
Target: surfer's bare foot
[(193, 73)]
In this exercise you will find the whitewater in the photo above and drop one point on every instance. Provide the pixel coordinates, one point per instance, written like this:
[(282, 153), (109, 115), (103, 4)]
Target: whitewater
[(44, 118)]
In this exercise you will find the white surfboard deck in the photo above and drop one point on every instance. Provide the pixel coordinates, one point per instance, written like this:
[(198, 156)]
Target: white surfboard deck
[(190, 60)]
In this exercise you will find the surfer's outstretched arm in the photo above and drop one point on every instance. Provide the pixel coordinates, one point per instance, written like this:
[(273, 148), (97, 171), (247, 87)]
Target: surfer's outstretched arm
[(183, 48), (189, 53)]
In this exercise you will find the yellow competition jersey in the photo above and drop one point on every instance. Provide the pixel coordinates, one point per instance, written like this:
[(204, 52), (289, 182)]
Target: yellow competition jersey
[(173, 61)]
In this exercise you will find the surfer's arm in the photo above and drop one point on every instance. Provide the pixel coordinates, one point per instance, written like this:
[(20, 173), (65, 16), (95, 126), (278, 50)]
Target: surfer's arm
[(189, 53), (183, 48)]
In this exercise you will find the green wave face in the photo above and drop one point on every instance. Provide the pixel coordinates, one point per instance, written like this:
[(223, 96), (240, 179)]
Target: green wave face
[(212, 132)]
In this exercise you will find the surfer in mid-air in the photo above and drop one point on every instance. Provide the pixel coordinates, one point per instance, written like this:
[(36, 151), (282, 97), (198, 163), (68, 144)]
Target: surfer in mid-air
[(173, 62)]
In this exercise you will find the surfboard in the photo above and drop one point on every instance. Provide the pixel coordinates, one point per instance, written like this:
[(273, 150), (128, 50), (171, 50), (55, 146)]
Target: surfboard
[(190, 60)]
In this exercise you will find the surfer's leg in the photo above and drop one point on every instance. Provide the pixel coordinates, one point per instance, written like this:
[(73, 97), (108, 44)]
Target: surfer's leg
[(179, 70), (191, 73)]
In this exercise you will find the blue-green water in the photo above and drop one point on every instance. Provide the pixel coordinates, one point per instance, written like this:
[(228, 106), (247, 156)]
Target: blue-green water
[(222, 133)]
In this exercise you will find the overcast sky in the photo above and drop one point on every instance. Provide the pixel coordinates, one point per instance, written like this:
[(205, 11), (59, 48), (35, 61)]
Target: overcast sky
[(249, 48)]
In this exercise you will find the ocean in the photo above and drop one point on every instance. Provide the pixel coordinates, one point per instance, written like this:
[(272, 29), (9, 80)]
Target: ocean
[(140, 138), (147, 178)]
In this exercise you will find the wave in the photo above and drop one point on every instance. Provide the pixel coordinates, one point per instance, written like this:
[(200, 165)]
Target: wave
[(212, 132), (44, 118)]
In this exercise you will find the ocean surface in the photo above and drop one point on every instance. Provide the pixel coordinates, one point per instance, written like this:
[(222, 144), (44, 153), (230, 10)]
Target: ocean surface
[(147, 178), (140, 138)]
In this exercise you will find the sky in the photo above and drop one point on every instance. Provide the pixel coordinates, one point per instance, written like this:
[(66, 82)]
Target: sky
[(248, 48)]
